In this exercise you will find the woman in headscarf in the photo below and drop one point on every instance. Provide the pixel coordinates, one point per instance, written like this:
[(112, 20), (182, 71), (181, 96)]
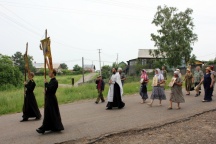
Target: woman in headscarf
[(188, 81), (176, 95), (158, 89), (179, 72), (208, 82), (143, 88), (198, 76)]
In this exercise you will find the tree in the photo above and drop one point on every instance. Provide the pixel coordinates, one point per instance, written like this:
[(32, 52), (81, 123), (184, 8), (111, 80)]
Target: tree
[(122, 65), (192, 59), (9, 74), (64, 66), (175, 35), (18, 59), (77, 68), (106, 71)]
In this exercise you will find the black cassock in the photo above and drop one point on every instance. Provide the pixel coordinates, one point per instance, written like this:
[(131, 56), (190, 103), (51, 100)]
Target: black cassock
[(30, 106), (117, 101), (52, 117)]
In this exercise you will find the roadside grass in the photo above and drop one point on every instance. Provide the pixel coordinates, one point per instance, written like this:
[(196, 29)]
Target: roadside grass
[(62, 79), (11, 101)]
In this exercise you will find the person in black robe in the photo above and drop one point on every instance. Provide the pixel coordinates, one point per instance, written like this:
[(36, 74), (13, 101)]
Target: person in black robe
[(30, 106), (52, 117), (115, 91)]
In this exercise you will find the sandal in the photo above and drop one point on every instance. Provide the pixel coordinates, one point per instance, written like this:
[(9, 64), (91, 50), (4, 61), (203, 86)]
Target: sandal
[(169, 108), (149, 104)]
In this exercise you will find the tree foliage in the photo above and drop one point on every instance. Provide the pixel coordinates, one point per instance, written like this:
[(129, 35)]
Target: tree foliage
[(9, 74), (64, 66), (77, 68), (175, 35), (106, 71), (18, 59), (192, 59)]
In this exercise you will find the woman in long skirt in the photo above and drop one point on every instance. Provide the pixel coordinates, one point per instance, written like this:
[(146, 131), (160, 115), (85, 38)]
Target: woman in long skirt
[(158, 88), (188, 81), (143, 87), (176, 95)]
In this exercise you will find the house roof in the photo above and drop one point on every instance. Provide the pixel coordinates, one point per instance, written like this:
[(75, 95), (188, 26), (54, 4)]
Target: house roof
[(89, 66), (144, 53), (41, 65), (38, 65)]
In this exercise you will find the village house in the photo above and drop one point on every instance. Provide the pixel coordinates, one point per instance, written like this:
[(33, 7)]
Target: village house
[(40, 66), (144, 58), (89, 68)]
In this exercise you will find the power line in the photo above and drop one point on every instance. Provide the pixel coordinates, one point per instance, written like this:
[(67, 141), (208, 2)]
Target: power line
[(18, 23), (42, 7)]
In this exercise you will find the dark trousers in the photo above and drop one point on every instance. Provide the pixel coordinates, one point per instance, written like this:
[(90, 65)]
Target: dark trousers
[(100, 96), (208, 94)]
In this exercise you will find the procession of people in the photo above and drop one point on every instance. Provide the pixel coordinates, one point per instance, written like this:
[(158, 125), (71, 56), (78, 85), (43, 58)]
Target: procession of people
[(52, 117), (52, 120)]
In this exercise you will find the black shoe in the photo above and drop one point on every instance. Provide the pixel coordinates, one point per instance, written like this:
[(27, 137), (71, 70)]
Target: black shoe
[(109, 108), (103, 101), (37, 118), (199, 92), (196, 95), (96, 102), (40, 131), (24, 120)]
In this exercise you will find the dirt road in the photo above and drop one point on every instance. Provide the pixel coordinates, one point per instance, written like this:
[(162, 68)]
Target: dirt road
[(85, 121)]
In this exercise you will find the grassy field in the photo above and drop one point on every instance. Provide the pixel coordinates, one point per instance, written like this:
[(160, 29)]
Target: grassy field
[(11, 101)]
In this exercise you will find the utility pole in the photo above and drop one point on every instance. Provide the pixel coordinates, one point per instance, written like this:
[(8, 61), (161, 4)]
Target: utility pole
[(117, 59), (99, 60), (83, 69)]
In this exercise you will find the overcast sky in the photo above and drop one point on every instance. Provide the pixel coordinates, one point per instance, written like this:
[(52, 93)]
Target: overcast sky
[(79, 27)]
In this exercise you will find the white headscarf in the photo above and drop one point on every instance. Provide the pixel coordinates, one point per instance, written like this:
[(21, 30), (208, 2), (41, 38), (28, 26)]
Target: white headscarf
[(176, 72), (179, 72), (159, 75)]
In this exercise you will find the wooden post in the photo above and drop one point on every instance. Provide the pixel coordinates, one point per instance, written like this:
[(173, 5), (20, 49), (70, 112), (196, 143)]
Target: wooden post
[(83, 69), (45, 69), (25, 70), (25, 55)]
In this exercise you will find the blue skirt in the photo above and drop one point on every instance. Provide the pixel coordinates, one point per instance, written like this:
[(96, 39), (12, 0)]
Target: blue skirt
[(158, 93)]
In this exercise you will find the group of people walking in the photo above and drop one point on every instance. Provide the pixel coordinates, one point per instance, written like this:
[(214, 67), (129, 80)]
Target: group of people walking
[(52, 118), (194, 81), (176, 95), (115, 89)]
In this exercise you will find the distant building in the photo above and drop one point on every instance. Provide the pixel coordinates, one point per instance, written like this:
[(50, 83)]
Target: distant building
[(40, 66), (89, 68), (144, 58)]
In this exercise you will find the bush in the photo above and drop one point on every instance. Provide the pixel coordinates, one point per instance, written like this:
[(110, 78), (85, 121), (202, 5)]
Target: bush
[(9, 74)]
